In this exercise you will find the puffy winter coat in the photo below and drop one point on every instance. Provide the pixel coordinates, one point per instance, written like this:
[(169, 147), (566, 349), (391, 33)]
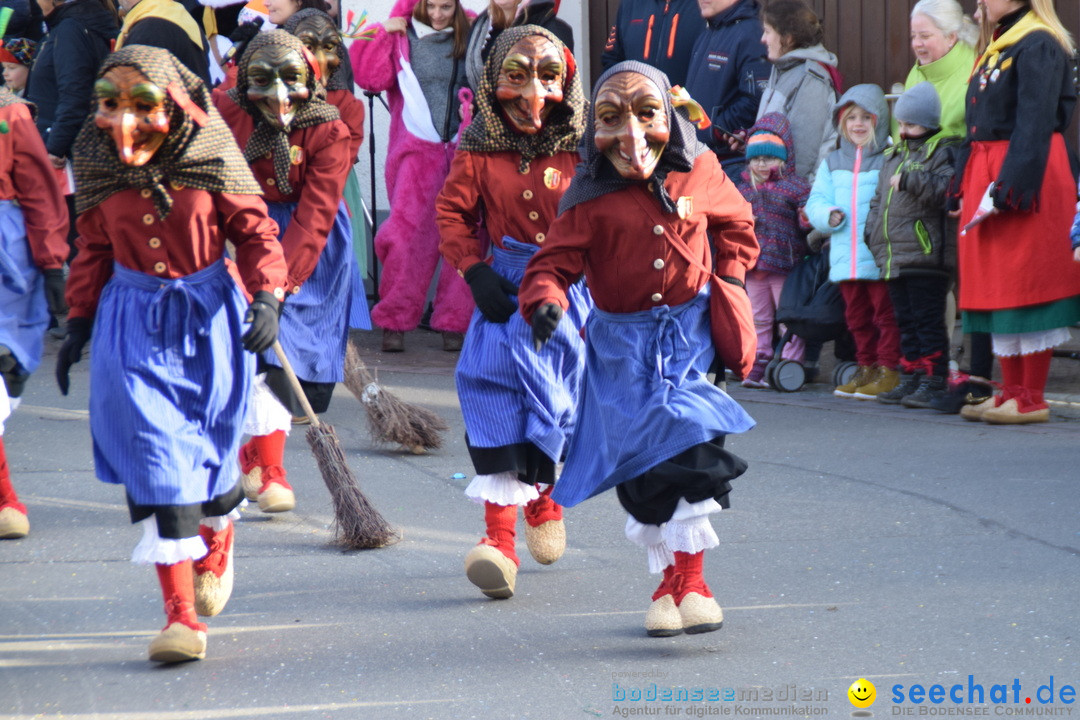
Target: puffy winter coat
[(62, 82), (909, 230), (777, 203), (847, 181)]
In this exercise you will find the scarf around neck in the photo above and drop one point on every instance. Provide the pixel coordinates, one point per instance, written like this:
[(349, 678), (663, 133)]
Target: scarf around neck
[(595, 176), (199, 150), (490, 132), (267, 138)]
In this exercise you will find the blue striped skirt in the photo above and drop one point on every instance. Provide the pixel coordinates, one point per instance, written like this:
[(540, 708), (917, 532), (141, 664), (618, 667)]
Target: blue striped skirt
[(169, 384), (359, 312), (509, 393), (24, 315), (645, 397), (314, 324)]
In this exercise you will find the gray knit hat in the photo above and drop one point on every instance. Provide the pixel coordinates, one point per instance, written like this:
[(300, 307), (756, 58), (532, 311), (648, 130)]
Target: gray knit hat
[(919, 105)]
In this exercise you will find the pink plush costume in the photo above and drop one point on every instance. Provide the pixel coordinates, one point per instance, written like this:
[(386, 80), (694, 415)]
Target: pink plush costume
[(417, 163)]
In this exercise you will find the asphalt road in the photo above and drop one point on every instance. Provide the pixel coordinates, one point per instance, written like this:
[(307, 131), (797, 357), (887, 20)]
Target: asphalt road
[(899, 546)]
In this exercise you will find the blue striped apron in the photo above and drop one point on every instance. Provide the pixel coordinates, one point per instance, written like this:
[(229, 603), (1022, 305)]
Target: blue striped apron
[(508, 392), (359, 312), (24, 314), (169, 384), (314, 323), (645, 397)]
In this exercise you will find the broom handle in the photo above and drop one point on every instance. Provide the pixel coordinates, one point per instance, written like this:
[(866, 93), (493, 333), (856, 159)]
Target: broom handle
[(298, 389)]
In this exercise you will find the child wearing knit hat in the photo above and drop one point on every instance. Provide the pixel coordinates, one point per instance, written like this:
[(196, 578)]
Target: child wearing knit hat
[(777, 195), (914, 244), (16, 56)]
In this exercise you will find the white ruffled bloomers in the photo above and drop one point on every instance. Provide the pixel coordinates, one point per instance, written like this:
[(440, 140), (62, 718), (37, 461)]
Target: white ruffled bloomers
[(688, 530), (155, 550), (265, 412), (1012, 344), (501, 489), (7, 406)]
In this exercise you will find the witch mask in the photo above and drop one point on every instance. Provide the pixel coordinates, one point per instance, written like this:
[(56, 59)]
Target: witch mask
[(133, 111), (277, 83), (319, 35), (632, 127), (530, 83)]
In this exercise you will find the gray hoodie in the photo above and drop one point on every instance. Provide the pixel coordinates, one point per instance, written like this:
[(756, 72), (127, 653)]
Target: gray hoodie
[(802, 89)]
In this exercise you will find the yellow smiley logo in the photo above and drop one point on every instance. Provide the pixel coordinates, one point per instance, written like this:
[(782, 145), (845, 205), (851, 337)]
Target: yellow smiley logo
[(862, 693)]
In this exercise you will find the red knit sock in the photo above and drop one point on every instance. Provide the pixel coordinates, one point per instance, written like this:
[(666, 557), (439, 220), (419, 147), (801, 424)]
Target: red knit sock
[(1012, 376), (543, 509), (689, 576), (501, 521), (249, 457), (666, 585), (1036, 367), (271, 453), (270, 448), (8, 498), (178, 590)]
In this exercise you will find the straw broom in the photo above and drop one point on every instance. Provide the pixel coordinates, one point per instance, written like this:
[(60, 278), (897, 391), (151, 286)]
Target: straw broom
[(390, 419), (357, 524)]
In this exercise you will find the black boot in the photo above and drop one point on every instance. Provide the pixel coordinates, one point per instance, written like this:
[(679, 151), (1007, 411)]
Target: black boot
[(908, 384), (931, 388)]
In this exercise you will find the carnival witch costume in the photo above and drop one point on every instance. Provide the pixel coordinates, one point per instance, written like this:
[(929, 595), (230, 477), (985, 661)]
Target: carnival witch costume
[(513, 164), (298, 149), (161, 185), (650, 424), (319, 34), (33, 247)]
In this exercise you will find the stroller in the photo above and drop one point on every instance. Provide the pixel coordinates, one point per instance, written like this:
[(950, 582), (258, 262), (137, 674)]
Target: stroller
[(811, 307)]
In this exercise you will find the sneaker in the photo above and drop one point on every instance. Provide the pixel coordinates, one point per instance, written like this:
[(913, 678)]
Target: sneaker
[(756, 377), (909, 383), (861, 377), (393, 341), (884, 380), (452, 341), (969, 392), (931, 388)]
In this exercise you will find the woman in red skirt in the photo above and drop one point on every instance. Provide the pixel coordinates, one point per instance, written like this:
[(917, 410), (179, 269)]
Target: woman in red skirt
[(1018, 279)]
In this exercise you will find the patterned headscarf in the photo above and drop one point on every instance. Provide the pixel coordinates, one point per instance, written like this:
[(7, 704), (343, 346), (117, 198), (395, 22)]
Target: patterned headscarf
[(267, 138), (340, 79), (18, 50), (595, 175), (199, 151), (490, 132)]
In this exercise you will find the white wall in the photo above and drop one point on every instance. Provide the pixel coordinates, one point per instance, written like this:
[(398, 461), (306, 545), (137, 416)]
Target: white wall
[(574, 12)]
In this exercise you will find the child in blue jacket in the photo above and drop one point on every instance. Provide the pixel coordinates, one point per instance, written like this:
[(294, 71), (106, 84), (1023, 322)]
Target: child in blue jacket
[(839, 203)]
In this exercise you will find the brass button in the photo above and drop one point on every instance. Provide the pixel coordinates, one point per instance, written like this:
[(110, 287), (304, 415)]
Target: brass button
[(533, 215), (271, 182), (652, 187), (658, 230), (657, 297), (145, 193), (658, 263), (279, 293), (154, 242), (267, 156), (540, 238), (527, 194), (159, 267), (296, 289), (526, 171), (175, 185), (148, 219)]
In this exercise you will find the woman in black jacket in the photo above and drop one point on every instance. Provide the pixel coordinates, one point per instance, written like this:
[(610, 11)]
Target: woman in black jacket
[(502, 14)]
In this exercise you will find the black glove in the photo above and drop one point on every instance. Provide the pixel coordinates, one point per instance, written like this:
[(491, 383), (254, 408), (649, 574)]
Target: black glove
[(491, 292), (54, 291), (78, 334), (544, 322), (262, 313)]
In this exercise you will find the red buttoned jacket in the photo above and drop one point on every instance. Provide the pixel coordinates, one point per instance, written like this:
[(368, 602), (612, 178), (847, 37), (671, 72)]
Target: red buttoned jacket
[(618, 241), (488, 188)]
